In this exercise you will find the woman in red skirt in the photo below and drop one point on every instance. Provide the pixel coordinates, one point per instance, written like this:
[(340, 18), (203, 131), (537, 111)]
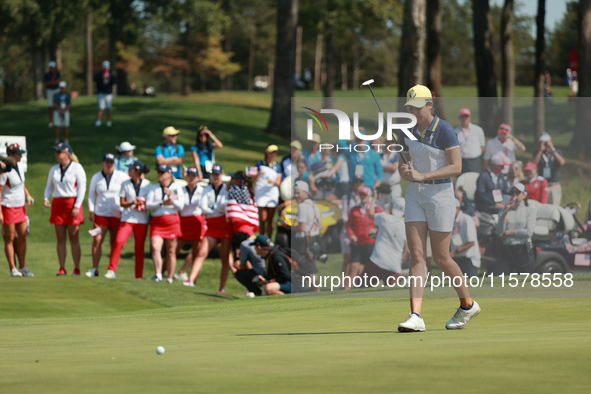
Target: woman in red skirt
[(134, 218), (192, 221), (13, 217), (66, 183), (165, 199)]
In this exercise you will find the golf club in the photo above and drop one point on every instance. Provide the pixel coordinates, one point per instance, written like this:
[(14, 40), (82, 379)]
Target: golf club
[(368, 84)]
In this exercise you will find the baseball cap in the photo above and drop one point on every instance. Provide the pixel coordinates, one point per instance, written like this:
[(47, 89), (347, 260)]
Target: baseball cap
[(109, 157), (170, 131), (271, 148), (398, 205), (545, 137), (520, 187), (303, 186), (63, 84), (497, 160), (530, 166), (316, 138), (192, 171), (217, 169), (504, 128), (137, 165), (296, 144), (51, 64), (237, 175), (418, 96), (162, 168), (364, 190), (63, 146), (15, 149), (465, 112), (106, 64), (125, 147), (261, 240)]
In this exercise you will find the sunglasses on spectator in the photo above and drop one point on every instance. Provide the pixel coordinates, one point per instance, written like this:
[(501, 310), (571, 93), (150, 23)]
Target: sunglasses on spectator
[(515, 192)]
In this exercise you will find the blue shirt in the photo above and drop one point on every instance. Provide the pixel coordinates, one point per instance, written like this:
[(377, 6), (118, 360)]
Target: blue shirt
[(372, 168), (205, 153), (312, 158), (276, 166), (303, 178), (60, 98), (167, 151), (122, 164)]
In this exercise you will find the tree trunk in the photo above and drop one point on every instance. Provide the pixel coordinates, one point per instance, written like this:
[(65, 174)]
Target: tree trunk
[(185, 80), (412, 46), (485, 67), (251, 58), (540, 75), (356, 68), (508, 66), (434, 53), (344, 73), (298, 64), (58, 55), (38, 63), (88, 60), (283, 86), (318, 61), (113, 44), (328, 88), (227, 80), (582, 136)]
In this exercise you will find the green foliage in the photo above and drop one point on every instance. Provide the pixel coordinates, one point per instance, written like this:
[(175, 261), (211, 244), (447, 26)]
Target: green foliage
[(562, 40)]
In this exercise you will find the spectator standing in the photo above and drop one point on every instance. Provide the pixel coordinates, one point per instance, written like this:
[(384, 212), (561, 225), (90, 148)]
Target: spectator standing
[(515, 174), (51, 80), (66, 183), (104, 87), (125, 151), (348, 201), (516, 227), (464, 243), (134, 218), (165, 199), (471, 139), (62, 101), (266, 192), (367, 165), (391, 180), (504, 143), (313, 155), (537, 186), (14, 200), (305, 176), (203, 151), (251, 265), (307, 231), (340, 172), (240, 209), (549, 160), (104, 207), (171, 153), (491, 185), (291, 159)]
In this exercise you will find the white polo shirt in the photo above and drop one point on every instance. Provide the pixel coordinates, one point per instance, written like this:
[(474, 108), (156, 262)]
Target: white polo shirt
[(309, 214), (103, 194), (495, 146), (471, 141), (192, 202), (389, 248), (156, 199), (464, 232), (70, 182), (214, 205), (13, 193), (129, 192)]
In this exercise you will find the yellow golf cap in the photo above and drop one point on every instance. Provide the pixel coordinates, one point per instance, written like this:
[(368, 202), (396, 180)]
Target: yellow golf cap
[(170, 131), (418, 96), (296, 144), (316, 138), (271, 148)]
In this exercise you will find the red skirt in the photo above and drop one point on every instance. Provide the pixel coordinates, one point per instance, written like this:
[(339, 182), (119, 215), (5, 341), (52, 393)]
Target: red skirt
[(218, 227), (14, 215), (106, 221), (192, 228), (167, 226), (61, 212)]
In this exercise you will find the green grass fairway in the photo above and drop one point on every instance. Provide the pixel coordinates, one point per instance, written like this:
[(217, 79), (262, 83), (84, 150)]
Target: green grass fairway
[(320, 346)]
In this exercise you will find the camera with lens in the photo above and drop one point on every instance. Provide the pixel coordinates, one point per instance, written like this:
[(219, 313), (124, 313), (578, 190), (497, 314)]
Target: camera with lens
[(316, 252)]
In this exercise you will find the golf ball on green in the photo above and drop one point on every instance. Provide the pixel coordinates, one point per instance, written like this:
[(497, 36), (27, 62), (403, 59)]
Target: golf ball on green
[(160, 350)]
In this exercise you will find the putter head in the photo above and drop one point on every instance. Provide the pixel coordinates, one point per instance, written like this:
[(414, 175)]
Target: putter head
[(368, 82)]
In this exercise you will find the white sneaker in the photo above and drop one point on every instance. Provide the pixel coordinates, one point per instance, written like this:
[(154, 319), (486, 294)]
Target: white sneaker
[(462, 317), (169, 280), (109, 123), (97, 123), (182, 276), (92, 272), (250, 294), (25, 271), (413, 323), (189, 283), (15, 272), (111, 275), (156, 278)]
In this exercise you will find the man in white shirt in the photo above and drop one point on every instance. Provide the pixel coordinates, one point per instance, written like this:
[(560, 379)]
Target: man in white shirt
[(504, 143), (471, 139), (464, 243)]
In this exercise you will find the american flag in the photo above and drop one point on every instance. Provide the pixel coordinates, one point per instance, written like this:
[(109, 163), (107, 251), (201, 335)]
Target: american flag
[(583, 259), (243, 214), (252, 171)]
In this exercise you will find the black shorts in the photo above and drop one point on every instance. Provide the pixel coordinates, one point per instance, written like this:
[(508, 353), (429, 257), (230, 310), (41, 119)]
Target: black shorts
[(361, 253)]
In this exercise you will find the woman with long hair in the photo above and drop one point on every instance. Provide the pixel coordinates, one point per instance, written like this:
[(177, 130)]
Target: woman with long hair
[(203, 151), (434, 157), (14, 200), (66, 183), (134, 218), (103, 206), (240, 210), (267, 182)]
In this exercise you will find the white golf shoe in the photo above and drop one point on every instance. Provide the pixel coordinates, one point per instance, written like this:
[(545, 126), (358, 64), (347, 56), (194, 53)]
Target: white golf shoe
[(413, 323), (111, 275), (92, 272), (462, 317)]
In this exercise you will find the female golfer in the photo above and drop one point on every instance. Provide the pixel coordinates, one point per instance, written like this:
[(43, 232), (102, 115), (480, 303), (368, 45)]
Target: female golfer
[(134, 218), (165, 199), (430, 205), (103, 207), (66, 183), (14, 198), (266, 192)]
